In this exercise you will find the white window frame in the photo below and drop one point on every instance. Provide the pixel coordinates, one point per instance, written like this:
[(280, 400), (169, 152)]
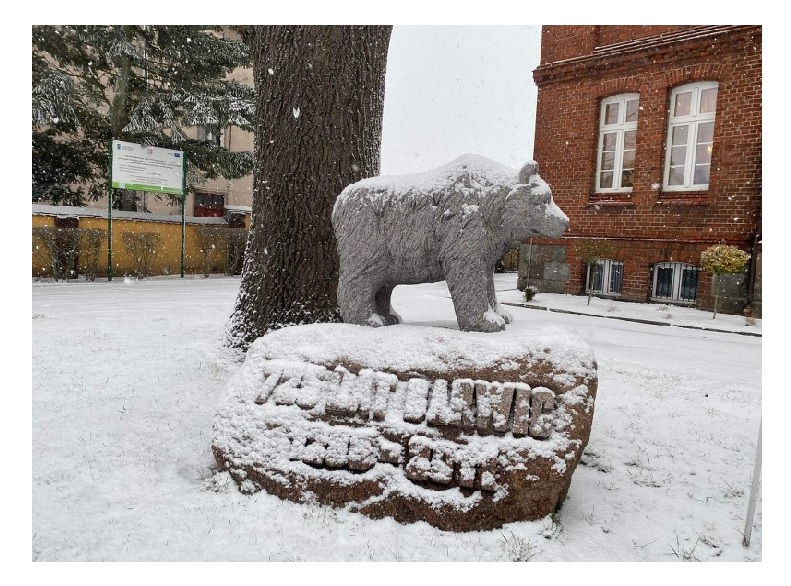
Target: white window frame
[(605, 270), (693, 121), (678, 273), (618, 128)]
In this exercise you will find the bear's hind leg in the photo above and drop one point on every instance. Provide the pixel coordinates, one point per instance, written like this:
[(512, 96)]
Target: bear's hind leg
[(383, 306), (356, 301)]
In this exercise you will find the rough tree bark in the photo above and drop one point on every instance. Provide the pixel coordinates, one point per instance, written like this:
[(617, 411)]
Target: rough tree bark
[(320, 101)]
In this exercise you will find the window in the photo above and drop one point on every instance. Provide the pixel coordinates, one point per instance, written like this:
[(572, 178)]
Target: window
[(209, 135), (605, 276), (675, 281), (617, 143), (209, 205), (690, 137)]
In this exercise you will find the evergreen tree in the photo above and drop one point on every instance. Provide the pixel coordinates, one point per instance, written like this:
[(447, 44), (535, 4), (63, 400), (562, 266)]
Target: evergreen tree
[(320, 92), (141, 84)]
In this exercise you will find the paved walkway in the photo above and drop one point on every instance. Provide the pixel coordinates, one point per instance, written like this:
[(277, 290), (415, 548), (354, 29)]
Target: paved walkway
[(633, 319)]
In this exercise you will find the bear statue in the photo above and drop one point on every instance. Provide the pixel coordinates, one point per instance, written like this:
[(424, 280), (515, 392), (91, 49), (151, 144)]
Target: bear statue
[(453, 223)]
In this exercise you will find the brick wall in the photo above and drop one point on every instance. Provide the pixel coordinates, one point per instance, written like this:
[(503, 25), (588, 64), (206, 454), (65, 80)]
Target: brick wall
[(649, 225), (564, 42)]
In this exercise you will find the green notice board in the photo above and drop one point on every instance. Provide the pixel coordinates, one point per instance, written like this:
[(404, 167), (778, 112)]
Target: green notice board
[(147, 168)]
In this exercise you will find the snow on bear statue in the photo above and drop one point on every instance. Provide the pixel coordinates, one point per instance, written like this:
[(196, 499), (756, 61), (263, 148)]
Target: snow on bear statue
[(453, 223)]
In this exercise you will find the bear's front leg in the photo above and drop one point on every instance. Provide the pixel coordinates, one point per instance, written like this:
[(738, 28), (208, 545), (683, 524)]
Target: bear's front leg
[(492, 295), (466, 279)]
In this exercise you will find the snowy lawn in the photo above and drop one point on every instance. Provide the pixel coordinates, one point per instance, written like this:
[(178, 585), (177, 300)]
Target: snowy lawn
[(127, 377)]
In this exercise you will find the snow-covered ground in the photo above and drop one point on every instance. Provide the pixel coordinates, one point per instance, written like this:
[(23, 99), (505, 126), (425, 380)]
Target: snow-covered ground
[(128, 375)]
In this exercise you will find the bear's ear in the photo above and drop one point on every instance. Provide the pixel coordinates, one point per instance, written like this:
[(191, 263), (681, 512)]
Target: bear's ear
[(529, 168)]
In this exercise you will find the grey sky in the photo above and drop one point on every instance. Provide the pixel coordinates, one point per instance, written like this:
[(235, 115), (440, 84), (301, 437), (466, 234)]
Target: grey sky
[(452, 90)]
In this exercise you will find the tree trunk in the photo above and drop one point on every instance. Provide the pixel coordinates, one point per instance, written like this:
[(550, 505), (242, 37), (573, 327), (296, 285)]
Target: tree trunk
[(123, 199), (320, 101), (592, 266)]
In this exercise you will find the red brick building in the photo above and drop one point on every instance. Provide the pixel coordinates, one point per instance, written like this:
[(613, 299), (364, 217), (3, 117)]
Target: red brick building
[(650, 137)]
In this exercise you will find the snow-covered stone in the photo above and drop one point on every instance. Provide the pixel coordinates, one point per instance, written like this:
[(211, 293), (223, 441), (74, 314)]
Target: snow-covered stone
[(465, 430)]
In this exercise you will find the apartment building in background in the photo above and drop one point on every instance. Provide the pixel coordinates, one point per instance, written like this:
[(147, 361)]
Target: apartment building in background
[(215, 197)]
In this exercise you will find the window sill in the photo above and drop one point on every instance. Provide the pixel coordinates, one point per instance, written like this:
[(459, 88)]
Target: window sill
[(608, 296), (667, 301), (683, 198), (610, 199)]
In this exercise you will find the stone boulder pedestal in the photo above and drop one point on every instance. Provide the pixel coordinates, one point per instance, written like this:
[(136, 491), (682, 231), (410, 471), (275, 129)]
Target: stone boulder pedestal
[(466, 431)]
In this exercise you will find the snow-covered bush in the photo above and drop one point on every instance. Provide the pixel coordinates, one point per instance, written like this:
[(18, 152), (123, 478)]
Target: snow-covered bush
[(530, 292), (722, 259)]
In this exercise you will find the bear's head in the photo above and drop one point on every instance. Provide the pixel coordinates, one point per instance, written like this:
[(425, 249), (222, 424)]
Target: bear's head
[(529, 209)]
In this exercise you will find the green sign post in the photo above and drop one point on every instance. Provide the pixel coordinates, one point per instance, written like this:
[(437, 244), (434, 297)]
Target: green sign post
[(145, 168)]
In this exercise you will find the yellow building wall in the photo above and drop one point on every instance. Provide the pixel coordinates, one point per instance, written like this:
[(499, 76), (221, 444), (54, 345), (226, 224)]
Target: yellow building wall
[(168, 256), (44, 221)]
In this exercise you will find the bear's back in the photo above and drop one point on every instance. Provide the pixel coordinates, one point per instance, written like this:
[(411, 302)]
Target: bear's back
[(467, 179)]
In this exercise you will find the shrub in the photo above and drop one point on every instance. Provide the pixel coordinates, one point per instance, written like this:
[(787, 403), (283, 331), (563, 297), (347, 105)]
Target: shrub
[(43, 246), (719, 259), (213, 245), (530, 292), (222, 249), (723, 258), (237, 242), (58, 247), (91, 240), (142, 249)]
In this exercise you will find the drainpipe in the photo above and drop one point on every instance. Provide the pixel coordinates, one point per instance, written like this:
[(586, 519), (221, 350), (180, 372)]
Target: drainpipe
[(529, 260), (751, 271)]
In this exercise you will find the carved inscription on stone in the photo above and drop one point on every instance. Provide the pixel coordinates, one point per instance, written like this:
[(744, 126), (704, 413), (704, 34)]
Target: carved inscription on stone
[(469, 406), (484, 406)]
